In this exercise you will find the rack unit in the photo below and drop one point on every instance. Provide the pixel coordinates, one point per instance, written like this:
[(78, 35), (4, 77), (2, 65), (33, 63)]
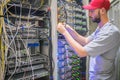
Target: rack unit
[(27, 30)]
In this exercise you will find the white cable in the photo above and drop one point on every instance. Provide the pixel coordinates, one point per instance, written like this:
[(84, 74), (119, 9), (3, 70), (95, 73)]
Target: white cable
[(12, 41), (13, 53), (27, 40)]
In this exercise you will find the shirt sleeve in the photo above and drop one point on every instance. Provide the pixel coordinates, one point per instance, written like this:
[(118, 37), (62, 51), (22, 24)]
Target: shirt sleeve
[(101, 43), (90, 38)]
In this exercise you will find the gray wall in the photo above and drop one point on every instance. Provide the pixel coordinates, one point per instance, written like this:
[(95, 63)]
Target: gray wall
[(114, 15)]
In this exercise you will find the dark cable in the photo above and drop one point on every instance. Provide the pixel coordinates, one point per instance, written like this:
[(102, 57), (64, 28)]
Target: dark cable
[(50, 45)]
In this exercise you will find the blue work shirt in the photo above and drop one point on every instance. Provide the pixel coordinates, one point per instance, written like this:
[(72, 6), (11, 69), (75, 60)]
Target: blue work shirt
[(102, 49)]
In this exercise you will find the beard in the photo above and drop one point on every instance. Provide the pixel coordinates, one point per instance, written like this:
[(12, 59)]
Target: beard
[(97, 20)]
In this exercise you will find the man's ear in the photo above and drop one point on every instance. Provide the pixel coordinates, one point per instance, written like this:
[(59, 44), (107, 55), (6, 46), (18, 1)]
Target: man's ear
[(103, 10)]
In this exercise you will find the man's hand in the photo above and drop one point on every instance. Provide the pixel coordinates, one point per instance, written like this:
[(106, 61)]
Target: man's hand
[(61, 28)]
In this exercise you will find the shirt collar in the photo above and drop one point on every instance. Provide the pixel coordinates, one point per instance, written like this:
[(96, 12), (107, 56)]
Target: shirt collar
[(105, 25)]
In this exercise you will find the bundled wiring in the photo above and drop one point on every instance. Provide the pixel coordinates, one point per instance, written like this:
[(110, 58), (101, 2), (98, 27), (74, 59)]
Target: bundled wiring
[(41, 4), (9, 46), (64, 10), (11, 38), (2, 64)]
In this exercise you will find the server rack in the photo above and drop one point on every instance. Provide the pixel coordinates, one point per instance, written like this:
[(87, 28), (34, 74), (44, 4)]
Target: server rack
[(26, 37)]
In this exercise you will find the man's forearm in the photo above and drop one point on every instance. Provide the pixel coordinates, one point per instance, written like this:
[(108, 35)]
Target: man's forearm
[(80, 39), (75, 45)]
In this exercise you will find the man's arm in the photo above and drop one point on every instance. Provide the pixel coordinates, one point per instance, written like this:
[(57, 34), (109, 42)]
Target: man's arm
[(80, 39), (71, 41), (78, 48)]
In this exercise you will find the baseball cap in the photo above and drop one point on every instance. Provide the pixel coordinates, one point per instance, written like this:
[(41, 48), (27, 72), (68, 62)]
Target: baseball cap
[(95, 4)]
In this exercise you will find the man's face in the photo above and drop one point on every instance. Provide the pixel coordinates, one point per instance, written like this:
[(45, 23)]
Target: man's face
[(95, 15)]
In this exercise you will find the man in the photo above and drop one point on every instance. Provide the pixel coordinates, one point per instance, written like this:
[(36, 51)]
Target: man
[(102, 45)]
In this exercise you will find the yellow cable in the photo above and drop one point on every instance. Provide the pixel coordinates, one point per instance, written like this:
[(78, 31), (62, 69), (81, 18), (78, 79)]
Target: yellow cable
[(1, 44), (41, 3), (2, 47)]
